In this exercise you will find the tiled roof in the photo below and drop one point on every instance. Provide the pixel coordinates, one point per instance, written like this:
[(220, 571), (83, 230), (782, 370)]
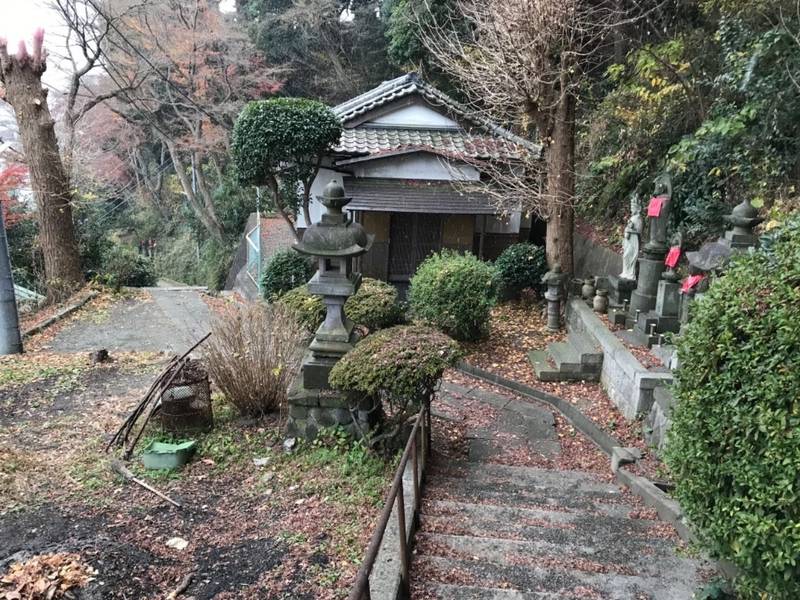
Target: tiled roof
[(275, 236), (375, 141), (411, 83), (415, 196)]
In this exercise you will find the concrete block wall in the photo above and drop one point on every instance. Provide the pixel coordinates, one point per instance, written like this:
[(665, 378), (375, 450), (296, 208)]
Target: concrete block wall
[(628, 383)]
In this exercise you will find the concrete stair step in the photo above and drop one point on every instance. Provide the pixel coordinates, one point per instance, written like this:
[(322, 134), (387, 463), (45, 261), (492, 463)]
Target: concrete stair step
[(613, 555), (541, 366), (567, 359), (444, 591), (567, 582), (591, 356), (568, 499), (549, 527)]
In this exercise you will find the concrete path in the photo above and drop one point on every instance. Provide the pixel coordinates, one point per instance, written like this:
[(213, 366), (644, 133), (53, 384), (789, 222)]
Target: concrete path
[(163, 320), (491, 529)]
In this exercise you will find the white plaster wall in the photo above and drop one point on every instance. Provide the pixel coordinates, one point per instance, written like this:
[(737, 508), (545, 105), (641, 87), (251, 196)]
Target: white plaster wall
[(324, 177), (419, 165), (416, 115)]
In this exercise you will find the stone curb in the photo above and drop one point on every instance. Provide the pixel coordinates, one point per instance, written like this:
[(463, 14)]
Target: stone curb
[(64, 312)]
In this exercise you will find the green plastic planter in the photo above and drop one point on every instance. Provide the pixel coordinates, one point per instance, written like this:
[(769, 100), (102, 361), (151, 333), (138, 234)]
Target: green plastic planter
[(162, 455)]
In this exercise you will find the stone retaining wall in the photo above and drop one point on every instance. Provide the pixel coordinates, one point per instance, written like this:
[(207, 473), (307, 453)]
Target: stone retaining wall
[(628, 383)]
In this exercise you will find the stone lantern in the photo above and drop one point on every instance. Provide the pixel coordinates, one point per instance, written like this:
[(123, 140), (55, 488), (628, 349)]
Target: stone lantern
[(334, 241), (744, 219)]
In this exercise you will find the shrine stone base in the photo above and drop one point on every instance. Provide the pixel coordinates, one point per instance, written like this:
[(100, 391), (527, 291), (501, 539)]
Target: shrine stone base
[(314, 409), (619, 289), (643, 298)]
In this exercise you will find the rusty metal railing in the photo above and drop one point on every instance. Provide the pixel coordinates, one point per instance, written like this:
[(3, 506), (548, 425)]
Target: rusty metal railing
[(417, 450)]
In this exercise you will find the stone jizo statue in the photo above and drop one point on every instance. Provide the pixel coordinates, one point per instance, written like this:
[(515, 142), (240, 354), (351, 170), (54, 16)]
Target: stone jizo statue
[(630, 242)]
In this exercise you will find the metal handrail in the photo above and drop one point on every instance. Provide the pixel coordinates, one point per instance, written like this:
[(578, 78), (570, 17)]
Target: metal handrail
[(420, 436)]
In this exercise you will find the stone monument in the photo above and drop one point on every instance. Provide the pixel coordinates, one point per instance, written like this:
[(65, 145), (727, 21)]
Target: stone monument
[(651, 263), (621, 286), (334, 242)]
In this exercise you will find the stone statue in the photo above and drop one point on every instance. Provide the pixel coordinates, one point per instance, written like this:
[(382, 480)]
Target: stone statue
[(630, 242)]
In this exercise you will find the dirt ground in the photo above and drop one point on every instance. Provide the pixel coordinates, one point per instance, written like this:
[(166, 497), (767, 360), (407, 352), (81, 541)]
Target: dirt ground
[(257, 522)]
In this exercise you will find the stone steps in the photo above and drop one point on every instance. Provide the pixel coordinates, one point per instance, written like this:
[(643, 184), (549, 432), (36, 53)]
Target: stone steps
[(576, 359), (489, 531), (561, 580)]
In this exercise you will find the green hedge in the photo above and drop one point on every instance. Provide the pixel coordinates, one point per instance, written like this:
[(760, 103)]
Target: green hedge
[(455, 293), (373, 306), (734, 444), (285, 271), (521, 266)]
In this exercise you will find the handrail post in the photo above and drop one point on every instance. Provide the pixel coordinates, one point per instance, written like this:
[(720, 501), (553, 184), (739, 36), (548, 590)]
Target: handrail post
[(415, 465), (401, 525)]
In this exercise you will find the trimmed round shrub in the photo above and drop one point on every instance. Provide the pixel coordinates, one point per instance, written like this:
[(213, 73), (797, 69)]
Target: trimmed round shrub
[(401, 366), (455, 293), (373, 306), (125, 267), (285, 271), (734, 444), (521, 266), (307, 308)]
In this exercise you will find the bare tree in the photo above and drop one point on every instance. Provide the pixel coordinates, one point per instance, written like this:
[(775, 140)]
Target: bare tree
[(194, 69), (21, 76), (523, 62)]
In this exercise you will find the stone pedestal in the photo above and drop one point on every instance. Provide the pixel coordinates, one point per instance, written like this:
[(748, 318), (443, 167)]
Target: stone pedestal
[(651, 267), (313, 409), (620, 289), (668, 298)]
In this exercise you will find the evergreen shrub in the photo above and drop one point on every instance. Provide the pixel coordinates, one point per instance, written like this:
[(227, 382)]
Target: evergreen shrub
[(521, 266), (400, 365), (734, 443), (125, 267), (286, 270), (454, 293), (373, 306)]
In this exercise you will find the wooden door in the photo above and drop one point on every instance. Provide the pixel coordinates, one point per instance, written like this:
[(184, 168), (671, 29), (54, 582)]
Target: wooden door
[(412, 237)]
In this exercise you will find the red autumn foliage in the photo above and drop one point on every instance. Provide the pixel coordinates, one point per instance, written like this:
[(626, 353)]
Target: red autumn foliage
[(12, 178)]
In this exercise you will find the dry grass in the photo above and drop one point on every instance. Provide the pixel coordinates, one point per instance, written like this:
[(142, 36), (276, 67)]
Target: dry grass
[(253, 355)]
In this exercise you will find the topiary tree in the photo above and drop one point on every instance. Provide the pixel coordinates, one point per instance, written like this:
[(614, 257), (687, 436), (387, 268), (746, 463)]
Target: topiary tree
[(521, 266), (284, 271), (400, 366), (734, 443), (373, 306), (280, 143), (455, 293)]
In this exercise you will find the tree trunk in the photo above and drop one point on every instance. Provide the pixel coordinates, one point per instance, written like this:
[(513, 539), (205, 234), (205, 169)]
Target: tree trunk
[(22, 76), (274, 189), (209, 221), (561, 185)]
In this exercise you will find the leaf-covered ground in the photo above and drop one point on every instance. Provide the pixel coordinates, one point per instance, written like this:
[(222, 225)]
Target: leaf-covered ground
[(257, 522), (516, 328)]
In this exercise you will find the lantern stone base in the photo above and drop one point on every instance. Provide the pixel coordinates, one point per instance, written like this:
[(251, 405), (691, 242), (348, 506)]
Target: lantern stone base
[(314, 409)]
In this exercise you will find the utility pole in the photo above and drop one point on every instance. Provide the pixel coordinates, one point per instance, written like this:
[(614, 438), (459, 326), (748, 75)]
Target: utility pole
[(10, 338)]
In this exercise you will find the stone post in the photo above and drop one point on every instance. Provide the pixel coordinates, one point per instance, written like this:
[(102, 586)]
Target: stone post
[(554, 279)]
